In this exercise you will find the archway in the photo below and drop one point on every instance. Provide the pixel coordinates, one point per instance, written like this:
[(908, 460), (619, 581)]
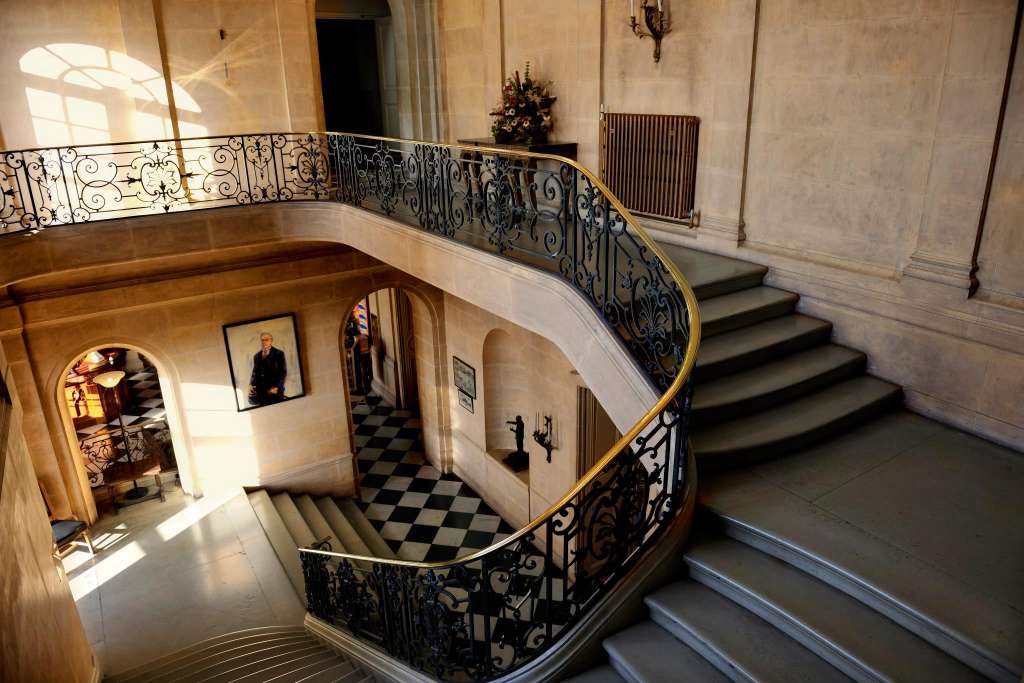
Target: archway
[(118, 406), (504, 384)]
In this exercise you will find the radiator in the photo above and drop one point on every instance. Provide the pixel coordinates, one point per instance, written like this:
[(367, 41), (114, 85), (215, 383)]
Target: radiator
[(649, 161)]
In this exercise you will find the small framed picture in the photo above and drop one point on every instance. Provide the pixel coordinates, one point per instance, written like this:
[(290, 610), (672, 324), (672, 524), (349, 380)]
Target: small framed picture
[(465, 376), (264, 361), (465, 400)]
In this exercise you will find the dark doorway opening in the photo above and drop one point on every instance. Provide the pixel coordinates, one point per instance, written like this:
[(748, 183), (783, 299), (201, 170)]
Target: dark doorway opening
[(350, 76)]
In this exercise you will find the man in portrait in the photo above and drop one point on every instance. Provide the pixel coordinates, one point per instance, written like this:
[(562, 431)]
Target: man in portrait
[(266, 386)]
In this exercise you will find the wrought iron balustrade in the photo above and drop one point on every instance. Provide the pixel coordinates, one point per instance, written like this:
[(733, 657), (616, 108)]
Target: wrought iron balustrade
[(490, 613), (77, 184), (116, 452)]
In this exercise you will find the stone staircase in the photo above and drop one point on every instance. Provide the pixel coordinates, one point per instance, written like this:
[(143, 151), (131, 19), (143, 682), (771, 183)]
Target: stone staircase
[(772, 588), (282, 654), (292, 521), (768, 380)]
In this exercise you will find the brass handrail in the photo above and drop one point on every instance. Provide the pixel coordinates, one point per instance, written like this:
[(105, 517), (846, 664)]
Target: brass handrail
[(689, 359)]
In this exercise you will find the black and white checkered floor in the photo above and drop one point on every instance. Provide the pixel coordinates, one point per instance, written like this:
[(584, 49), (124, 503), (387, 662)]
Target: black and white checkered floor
[(422, 514), (147, 404)]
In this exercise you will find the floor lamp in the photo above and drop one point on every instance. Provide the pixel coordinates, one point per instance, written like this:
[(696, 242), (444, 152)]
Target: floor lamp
[(110, 380)]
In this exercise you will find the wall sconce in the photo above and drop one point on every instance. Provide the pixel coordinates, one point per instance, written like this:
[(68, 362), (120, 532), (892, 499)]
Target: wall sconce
[(656, 21), (545, 438)]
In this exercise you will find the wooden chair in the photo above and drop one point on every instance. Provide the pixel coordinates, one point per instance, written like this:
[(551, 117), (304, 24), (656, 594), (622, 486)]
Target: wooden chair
[(68, 533)]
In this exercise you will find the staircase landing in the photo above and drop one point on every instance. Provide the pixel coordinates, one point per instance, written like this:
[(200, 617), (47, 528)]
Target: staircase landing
[(917, 511)]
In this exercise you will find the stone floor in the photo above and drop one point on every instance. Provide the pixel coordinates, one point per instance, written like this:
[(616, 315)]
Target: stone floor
[(951, 500), (422, 514), (166, 575)]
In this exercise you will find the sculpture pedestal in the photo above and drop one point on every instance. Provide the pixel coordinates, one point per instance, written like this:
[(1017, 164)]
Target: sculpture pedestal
[(518, 461)]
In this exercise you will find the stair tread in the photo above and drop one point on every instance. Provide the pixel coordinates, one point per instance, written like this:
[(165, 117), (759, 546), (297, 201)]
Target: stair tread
[(346, 538), (296, 669), (365, 530), (710, 274), (250, 659), (599, 674), (735, 638), (313, 517), (849, 634), (341, 672), (794, 418), (916, 594), (730, 345), (205, 647), (646, 653), (717, 311), (292, 518), (280, 538), (207, 658), (765, 379)]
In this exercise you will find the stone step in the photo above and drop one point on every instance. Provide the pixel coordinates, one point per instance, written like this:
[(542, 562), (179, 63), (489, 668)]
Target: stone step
[(976, 628), (300, 669), (216, 666), (202, 649), (738, 643), (764, 342), (711, 275), (340, 673), (743, 308), (647, 653), (599, 674), (772, 384), (851, 636), (795, 424), (313, 517), (252, 656), (293, 520), (280, 668), (373, 540), (285, 546), (346, 538)]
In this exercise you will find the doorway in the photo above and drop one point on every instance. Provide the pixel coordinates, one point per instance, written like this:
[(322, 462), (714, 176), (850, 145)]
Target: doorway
[(350, 75), (118, 414)]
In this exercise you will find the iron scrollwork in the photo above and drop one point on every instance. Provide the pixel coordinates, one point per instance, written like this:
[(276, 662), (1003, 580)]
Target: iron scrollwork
[(41, 188)]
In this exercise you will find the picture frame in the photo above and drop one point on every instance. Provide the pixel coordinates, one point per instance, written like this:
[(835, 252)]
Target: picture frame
[(466, 401), (464, 376), (279, 376)]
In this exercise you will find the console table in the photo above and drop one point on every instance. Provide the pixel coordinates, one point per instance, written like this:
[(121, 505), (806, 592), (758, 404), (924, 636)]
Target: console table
[(563, 149), (472, 162)]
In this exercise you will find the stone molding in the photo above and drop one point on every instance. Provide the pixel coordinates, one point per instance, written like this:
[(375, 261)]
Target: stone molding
[(935, 268), (332, 477)]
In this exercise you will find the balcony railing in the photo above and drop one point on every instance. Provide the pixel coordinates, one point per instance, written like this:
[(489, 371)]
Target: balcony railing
[(487, 614)]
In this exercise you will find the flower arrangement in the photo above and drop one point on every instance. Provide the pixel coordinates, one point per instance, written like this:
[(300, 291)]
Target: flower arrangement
[(524, 115)]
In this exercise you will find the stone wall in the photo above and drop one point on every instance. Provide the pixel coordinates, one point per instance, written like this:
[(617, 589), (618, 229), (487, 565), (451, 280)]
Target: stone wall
[(177, 322), (36, 606), (529, 375), (1001, 259), (92, 71), (846, 145)]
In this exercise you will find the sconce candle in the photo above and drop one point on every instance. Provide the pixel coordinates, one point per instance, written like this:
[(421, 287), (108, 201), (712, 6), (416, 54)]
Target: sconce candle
[(656, 22)]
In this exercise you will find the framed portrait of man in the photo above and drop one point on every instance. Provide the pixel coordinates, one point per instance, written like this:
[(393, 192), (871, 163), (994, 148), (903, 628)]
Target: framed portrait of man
[(264, 360)]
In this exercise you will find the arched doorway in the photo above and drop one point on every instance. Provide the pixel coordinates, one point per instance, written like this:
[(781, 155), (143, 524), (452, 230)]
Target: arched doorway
[(118, 409)]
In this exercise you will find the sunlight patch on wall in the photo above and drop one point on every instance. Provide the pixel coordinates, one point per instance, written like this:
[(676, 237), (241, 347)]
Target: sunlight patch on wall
[(83, 118)]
